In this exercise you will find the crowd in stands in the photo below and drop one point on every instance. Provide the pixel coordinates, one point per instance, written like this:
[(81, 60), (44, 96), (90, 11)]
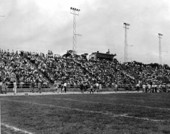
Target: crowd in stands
[(148, 73), (16, 68), (28, 68)]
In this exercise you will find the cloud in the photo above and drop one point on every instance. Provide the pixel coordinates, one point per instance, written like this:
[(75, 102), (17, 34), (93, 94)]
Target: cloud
[(39, 25)]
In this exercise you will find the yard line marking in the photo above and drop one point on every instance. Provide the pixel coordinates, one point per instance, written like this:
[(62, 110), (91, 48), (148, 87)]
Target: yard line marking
[(15, 129), (149, 107), (143, 118), (149, 99), (88, 111), (94, 102), (133, 99)]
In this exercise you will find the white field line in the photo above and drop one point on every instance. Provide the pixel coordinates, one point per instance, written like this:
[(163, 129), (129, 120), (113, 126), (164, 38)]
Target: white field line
[(55, 93), (15, 129), (137, 100), (149, 107), (149, 99), (93, 102), (69, 92), (88, 111), (107, 92)]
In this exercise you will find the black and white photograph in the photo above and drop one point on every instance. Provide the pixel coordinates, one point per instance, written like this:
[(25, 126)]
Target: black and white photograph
[(84, 67)]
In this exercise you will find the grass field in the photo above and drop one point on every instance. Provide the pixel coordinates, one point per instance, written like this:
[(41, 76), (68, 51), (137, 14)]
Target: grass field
[(133, 113)]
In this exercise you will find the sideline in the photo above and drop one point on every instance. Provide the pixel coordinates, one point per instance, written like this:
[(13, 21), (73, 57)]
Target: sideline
[(16, 129), (55, 93)]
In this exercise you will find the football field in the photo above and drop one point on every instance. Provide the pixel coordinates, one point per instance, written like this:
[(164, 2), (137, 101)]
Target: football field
[(118, 113)]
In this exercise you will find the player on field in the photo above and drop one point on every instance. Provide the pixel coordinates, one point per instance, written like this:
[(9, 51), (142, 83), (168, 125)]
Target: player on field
[(1, 86), (91, 88), (100, 87), (148, 87), (116, 86), (32, 86), (15, 87), (39, 87), (97, 86), (137, 87), (4, 87), (144, 87), (65, 87), (56, 86)]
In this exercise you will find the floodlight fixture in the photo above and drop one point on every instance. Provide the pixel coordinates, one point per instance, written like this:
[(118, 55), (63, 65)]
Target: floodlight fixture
[(160, 34), (75, 9), (126, 24)]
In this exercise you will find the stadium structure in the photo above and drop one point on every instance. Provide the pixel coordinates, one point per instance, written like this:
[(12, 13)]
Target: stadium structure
[(82, 94)]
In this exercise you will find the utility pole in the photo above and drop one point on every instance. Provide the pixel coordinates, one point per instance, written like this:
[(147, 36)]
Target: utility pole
[(160, 48), (126, 25), (74, 12)]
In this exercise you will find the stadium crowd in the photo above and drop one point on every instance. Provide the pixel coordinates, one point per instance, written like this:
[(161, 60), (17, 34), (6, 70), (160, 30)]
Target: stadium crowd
[(16, 68), (32, 69)]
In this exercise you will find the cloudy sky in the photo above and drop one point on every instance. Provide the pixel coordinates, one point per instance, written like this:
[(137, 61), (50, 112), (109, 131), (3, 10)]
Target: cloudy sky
[(42, 25)]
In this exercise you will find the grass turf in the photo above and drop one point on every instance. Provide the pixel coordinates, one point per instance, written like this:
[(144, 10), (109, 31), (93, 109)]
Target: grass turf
[(88, 114)]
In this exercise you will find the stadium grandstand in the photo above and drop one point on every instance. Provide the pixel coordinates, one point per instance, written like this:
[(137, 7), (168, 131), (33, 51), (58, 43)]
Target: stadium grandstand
[(28, 69)]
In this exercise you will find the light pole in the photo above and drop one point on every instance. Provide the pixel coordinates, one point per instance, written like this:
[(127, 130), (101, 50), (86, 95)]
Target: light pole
[(126, 25), (74, 12), (160, 48)]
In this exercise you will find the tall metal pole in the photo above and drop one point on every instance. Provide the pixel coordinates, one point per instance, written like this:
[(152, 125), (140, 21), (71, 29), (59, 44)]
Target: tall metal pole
[(74, 12), (126, 44), (0, 119), (74, 33), (160, 48)]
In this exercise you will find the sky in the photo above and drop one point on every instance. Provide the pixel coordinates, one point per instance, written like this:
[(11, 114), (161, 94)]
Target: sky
[(42, 25)]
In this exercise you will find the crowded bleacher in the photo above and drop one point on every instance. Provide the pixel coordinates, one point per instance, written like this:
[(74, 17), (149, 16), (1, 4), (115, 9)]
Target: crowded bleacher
[(29, 69)]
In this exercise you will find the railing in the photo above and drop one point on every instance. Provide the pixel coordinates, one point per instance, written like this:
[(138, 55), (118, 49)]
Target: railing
[(27, 85)]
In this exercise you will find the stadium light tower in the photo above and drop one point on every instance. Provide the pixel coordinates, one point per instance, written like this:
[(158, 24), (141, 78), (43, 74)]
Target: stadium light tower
[(0, 117), (74, 12), (160, 48), (126, 26)]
